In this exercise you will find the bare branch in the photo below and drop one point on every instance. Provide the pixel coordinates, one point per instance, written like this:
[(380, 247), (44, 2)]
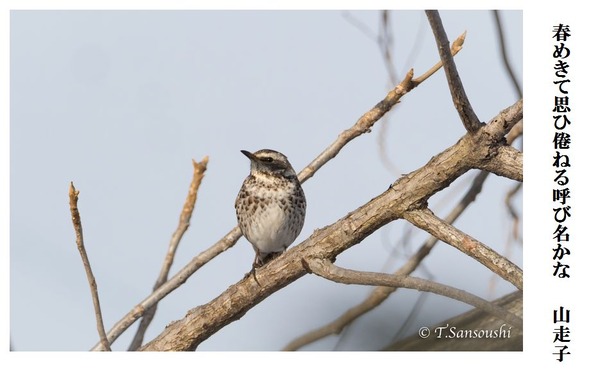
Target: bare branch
[(517, 129), (408, 193), (177, 280), (360, 25), (385, 40), (505, 60), (76, 219), (459, 96), (381, 139), (363, 125), (381, 293), (457, 45), (503, 160), (337, 274), (513, 213), (426, 220), (365, 122), (184, 223), (508, 163)]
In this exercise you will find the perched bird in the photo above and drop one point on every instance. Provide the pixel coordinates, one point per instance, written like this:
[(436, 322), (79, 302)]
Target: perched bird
[(270, 206)]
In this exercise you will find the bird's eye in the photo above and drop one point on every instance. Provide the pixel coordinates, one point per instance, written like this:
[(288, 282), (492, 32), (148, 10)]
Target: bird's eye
[(267, 159)]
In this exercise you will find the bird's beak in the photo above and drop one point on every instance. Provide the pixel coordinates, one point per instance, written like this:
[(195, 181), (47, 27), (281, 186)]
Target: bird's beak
[(249, 155)]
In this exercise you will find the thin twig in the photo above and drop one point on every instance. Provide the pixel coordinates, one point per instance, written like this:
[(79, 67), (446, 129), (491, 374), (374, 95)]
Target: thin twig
[(173, 283), (75, 217), (513, 213), (337, 274), (364, 123), (184, 223), (385, 40), (505, 60), (457, 45), (360, 26), (459, 96), (518, 129), (417, 42)]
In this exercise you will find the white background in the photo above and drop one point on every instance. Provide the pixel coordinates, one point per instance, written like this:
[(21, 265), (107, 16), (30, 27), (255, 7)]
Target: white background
[(120, 103)]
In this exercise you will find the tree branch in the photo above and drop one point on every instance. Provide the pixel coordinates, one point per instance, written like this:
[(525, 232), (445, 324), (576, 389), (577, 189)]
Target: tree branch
[(365, 122), (385, 40), (408, 193), (513, 213), (426, 220), (362, 126), (508, 162), (381, 293), (457, 45), (337, 274), (459, 96), (505, 60), (76, 219), (184, 223)]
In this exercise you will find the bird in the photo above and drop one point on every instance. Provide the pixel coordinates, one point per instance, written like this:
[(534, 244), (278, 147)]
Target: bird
[(270, 206)]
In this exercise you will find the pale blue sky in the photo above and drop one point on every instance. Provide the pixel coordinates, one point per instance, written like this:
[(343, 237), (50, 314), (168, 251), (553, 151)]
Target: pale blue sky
[(120, 102)]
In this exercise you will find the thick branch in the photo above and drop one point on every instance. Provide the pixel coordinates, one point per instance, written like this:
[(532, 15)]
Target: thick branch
[(426, 220), (459, 96), (508, 163), (76, 218), (381, 293), (494, 137), (407, 193), (363, 125)]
